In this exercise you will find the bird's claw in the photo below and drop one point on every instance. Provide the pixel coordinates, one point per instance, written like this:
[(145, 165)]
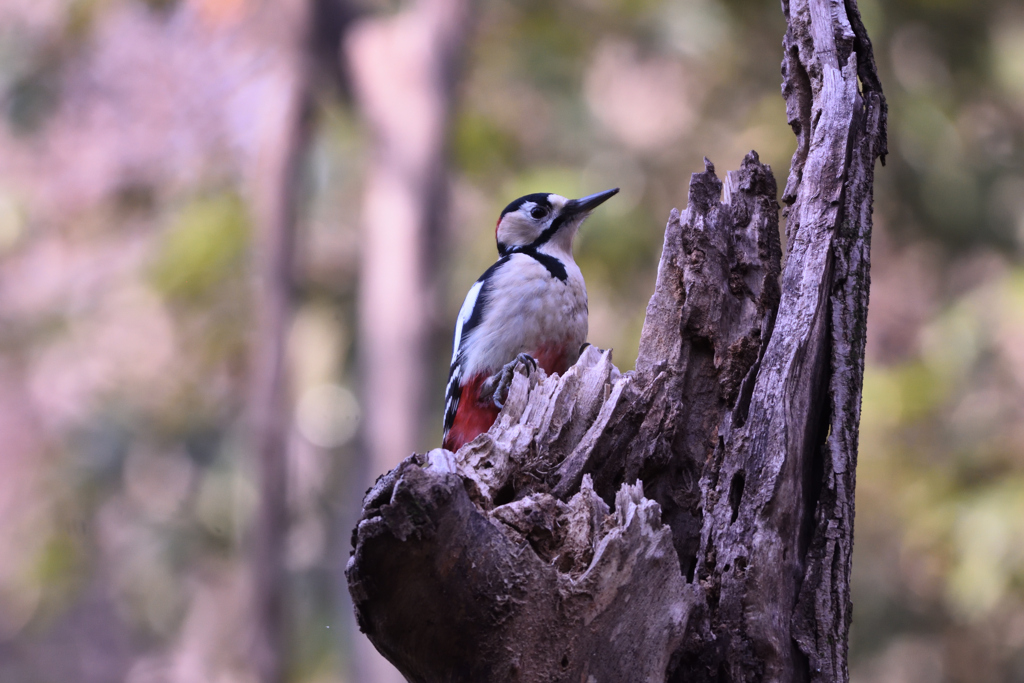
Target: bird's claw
[(498, 384), (527, 360)]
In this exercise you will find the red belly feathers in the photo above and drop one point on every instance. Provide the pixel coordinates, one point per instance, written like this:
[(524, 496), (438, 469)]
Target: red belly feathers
[(475, 416)]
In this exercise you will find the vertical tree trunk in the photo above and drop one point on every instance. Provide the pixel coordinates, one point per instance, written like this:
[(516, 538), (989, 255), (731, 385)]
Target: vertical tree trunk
[(403, 69), (284, 134), (830, 189), (531, 554)]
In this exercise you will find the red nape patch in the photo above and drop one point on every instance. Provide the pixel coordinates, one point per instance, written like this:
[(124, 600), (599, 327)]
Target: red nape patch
[(473, 416)]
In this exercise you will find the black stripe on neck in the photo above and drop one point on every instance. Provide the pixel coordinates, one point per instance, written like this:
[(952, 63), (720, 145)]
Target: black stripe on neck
[(554, 266), (550, 231)]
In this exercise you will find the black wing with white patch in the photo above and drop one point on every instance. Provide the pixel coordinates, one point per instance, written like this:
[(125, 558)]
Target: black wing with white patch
[(470, 315)]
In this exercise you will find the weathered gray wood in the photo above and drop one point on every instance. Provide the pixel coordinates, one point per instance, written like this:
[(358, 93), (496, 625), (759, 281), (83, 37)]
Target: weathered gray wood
[(822, 617), (691, 520)]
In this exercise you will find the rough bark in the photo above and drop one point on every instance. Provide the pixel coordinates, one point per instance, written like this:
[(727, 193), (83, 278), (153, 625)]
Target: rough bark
[(691, 520)]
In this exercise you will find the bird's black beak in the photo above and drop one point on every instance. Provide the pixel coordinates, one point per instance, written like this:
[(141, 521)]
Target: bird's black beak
[(589, 203)]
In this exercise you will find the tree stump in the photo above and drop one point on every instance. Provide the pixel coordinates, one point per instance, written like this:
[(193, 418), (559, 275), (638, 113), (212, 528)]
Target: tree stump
[(691, 520)]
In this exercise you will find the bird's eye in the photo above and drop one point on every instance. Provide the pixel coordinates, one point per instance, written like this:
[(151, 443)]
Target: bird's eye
[(539, 213)]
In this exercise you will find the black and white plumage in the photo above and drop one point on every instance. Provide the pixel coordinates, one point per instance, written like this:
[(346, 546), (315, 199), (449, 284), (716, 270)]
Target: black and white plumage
[(531, 301)]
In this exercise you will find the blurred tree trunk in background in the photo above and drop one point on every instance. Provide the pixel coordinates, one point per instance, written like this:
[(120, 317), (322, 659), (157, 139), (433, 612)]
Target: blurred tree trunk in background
[(403, 70), (274, 183), (531, 555)]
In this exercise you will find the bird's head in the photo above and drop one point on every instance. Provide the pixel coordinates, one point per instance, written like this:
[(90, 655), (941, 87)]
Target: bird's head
[(544, 219)]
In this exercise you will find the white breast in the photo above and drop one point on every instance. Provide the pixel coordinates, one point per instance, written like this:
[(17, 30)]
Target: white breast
[(525, 307)]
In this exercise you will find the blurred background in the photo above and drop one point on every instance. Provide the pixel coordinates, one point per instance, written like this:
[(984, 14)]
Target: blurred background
[(234, 235)]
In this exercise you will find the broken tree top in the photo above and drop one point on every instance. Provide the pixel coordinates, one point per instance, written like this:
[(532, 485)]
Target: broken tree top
[(691, 520), (599, 525)]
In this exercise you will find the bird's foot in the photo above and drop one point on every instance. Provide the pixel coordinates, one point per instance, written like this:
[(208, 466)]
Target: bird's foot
[(497, 385)]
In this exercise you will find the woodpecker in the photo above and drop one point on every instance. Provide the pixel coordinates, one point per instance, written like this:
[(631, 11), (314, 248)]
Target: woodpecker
[(529, 307)]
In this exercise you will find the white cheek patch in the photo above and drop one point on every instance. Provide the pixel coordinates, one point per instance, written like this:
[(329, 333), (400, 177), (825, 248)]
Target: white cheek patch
[(517, 229)]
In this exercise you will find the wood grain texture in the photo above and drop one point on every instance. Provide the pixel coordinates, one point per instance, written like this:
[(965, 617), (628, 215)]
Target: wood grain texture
[(691, 520)]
